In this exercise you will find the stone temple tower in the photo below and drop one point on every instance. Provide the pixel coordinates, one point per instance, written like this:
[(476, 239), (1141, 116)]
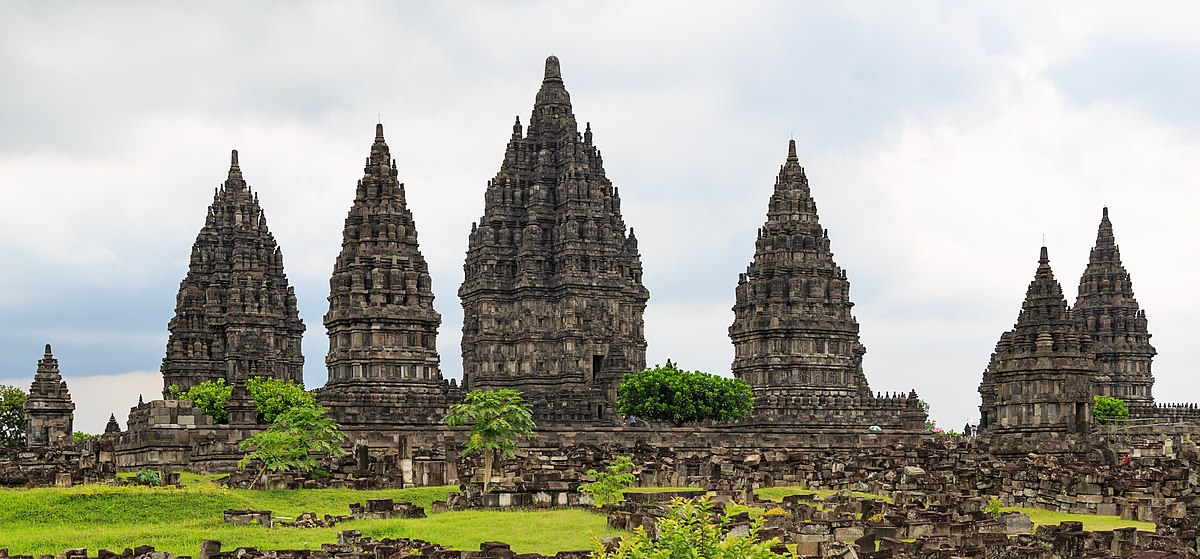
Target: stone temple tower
[(383, 362), (553, 288), (795, 338), (1107, 311), (1039, 381), (49, 411), (235, 315)]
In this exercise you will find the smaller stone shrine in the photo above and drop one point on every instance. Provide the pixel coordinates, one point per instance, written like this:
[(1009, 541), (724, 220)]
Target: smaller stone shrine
[(383, 361), (49, 411), (235, 314), (795, 337), (1040, 379)]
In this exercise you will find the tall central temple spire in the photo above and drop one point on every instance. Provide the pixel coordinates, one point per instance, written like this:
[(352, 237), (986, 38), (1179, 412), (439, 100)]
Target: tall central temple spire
[(1107, 311), (383, 361), (235, 315), (795, 338), (553, 287)]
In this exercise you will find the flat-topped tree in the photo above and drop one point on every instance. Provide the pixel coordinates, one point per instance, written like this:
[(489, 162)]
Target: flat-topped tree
[(496, 419), (235, 315)]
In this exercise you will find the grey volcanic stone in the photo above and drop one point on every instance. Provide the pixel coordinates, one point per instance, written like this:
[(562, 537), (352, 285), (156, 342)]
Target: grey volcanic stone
[(235, 315), (552, 298)]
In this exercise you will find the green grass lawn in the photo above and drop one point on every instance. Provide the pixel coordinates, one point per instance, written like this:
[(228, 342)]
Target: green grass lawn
[(50, 520), (1091, 522), (778, 493)]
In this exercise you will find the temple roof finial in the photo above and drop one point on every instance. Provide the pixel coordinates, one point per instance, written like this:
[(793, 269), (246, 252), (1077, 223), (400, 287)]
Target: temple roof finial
[(792, 151), (553, 73), (48, 352), (1045, 257), (235, 172), (379, 132)]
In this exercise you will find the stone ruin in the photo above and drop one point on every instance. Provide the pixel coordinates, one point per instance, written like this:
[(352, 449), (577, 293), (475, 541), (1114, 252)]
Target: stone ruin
[(235, 315), (553, 302), (49, 411), (552, 295), (795, 338), (383, 362)]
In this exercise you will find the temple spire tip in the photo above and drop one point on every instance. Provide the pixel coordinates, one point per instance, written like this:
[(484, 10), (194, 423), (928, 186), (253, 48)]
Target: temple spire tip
[(553, 72), (233, 159), (379, 132), (792, 151)]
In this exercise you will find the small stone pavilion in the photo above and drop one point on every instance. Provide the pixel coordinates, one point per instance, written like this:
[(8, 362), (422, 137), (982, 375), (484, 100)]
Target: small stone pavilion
[(49, 411)]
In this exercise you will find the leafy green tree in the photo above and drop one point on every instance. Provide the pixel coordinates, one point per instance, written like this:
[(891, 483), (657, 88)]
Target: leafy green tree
[(80, 436), (12, 416), (609, 484), (930, 424), (1107, 410), (496, 419), (668, 393), (292, 441), (274, 397), (691, 530), (271, 397), (211, 396)]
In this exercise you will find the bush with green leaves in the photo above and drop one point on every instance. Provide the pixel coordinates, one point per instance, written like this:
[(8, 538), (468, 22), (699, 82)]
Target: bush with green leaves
[(691, 530), (271, 397), (1107, 410), (80, 436), (12, 416), (666, 392), (496, 419), (609, 484), (994, 506), (292, 442), (210, 396), (274, 397), (148, 477)]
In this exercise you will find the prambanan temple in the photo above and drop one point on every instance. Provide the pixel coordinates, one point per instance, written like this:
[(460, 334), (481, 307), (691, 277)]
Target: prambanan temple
[(554, 307)]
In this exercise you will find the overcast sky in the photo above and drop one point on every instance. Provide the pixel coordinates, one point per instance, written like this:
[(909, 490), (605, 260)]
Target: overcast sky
[(943, 142)]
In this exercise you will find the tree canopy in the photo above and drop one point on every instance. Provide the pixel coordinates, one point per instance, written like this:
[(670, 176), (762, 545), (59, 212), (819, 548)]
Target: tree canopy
[(691, 529), (1107, 410), (666, 392), (496, 418), (272, 397), (12, 416), (292, 440)]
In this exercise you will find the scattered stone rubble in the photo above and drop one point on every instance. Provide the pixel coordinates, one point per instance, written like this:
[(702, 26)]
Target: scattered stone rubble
[(385, 508), (248, 517)]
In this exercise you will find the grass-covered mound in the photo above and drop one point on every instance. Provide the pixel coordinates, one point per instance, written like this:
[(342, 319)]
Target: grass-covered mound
[(48, 521)]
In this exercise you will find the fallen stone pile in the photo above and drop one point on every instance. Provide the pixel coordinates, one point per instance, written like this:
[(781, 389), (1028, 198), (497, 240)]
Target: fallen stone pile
[(386, 508), (86, 462), (921, 529)]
